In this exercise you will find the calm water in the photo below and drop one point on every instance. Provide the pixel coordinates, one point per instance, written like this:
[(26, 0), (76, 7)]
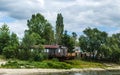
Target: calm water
[(88, 73)]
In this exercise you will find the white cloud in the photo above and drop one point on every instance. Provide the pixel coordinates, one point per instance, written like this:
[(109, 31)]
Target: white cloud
[(114, 32), (78, 14), (18, 27)]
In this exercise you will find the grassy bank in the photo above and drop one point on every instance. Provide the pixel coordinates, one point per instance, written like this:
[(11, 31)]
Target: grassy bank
[(33, 64), (85, 64), (53, 64)]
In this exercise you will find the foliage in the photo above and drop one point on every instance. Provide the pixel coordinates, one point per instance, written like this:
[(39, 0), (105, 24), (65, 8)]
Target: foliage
[(48, 34), (74, 36), (39, 57), (85, 64), (4, 37), (55, 59), (8, 52), (68, 42), (97, 44), (39, 25), (54, 64), (59, 28), (92, 41), (44, 64), (101, 46), (31, 44), (11, 50)]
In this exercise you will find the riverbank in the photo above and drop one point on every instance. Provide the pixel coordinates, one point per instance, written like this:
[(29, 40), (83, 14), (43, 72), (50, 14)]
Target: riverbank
[(17, 67), (54, 64), (44, 71)]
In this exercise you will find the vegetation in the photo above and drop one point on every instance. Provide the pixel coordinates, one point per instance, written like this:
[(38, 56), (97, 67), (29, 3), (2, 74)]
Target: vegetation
[(68, 41), (40, 26), (33, 64), (86, 64), (68, 64), (59, 29), (95, 44), (100, 45), (4, 37)]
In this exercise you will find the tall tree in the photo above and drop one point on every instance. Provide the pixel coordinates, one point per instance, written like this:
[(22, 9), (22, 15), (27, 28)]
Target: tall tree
[(59, 28), (38, 24), (114, 44), (4, 37), (74, 35), (68, 41), (48, 34), (30, 41), (11, 50), (94, 39)]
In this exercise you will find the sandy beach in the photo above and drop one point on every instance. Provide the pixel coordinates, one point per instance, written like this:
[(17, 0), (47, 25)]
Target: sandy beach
[(42, 71)]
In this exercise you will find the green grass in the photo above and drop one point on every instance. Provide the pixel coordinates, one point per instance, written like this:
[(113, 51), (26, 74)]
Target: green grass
[(33, 64), (85, 64), (53, 64)]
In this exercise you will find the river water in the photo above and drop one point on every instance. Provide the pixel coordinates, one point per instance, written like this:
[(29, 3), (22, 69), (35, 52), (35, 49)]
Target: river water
[(88, 73)]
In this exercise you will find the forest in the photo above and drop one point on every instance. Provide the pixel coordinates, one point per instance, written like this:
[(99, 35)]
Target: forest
[(99, 44)]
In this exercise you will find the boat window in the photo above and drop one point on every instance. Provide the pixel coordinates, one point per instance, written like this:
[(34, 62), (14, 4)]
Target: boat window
[(58, 50)]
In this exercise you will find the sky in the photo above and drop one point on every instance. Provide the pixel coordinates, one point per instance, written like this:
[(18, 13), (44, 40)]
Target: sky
[(78, 14)]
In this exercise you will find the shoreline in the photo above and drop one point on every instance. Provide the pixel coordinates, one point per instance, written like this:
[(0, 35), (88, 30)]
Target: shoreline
[(47, 71)]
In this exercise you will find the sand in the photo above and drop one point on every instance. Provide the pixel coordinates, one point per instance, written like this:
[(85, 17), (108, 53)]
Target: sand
[(41, 71)]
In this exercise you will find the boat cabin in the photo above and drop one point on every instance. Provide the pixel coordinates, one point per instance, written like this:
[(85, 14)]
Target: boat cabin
[(55, 50)]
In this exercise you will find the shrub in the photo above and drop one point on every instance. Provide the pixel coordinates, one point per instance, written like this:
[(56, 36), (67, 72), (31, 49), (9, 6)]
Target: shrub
[(58, 65), (55, 59)]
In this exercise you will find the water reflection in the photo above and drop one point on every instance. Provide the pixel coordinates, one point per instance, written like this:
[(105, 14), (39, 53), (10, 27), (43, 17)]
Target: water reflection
[(89, 73)]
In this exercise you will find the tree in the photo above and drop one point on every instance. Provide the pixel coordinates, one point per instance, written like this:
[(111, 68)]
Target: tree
[(38, 24), (68, 42), (114, 44), (48, 34), (93, 39), (59, 28), (74, 35), (11, 50), (30, 41), (84, 45), (4, 37)]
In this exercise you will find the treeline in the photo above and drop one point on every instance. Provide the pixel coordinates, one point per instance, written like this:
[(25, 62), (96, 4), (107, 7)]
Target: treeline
[(40, 32), (100, 46)]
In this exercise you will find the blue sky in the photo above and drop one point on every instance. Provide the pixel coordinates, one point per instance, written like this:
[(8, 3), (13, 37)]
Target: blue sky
[(78, 14)]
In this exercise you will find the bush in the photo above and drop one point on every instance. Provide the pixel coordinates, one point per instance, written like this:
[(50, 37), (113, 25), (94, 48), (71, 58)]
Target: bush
[(55, 59), (40, 57), (11, 64), (8, 52), (58, 65)]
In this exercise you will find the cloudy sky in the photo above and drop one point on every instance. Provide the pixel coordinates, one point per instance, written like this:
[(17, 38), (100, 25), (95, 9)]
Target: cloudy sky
[(78, 14)]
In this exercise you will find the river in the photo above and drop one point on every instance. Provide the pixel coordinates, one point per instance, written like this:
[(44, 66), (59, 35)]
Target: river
[(88, 73)]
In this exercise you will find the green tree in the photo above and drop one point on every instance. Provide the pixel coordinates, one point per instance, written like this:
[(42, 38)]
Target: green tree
[(38, 24), (74, 35), (31, 41), (11, 50), (94, 39), (114, 44), (68, 42), (59, 28), (4, 37), (84, 45), (48, 34)]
